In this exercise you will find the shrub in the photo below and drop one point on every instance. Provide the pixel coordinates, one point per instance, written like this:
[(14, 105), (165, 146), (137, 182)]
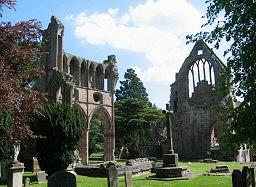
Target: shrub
[(60, 127)]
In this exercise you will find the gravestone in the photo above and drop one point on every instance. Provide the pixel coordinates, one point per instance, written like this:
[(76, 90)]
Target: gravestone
[(112, 176), (237, 178), (41, 177), (62, 179), (247, 177), (26, 183), (128, 179), (253, 172), (36, 166)]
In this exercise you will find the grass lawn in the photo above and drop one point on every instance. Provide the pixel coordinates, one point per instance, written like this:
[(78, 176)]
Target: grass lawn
[(141, 181)]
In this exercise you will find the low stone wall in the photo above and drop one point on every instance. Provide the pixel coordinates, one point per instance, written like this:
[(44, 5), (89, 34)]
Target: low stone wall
[(100, 170)]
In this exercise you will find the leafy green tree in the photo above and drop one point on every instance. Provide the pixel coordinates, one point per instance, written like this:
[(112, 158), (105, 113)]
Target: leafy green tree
[(131, 87), (133, 119), (60, 128), (134, 114), (96, 137), (237, 26)]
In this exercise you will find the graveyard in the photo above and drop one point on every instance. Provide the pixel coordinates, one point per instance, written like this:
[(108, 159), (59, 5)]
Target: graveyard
[(69, 120)]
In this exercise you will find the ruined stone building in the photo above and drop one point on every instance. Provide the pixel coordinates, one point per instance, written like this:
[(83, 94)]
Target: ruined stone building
[(196, 125), (82, 83)]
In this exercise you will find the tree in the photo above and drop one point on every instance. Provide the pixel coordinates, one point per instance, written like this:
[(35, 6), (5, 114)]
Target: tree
[(133, 115), (238, 27), (96, 137), (133, 120), (131, 87), (60, 128), (20, 51)]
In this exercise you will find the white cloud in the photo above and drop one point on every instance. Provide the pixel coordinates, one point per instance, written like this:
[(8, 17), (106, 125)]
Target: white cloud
[(156, 29)]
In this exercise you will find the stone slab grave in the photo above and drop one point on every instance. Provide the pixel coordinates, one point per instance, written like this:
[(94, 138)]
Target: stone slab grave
[(112, 176), (128, 179), (62, 179), (219, 171), (41, 177)]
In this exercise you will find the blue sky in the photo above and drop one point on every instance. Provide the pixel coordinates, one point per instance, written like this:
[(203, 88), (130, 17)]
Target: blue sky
[(147, 35)]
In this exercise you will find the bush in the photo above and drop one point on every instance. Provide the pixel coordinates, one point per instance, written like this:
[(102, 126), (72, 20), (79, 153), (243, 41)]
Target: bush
[(60, 128)]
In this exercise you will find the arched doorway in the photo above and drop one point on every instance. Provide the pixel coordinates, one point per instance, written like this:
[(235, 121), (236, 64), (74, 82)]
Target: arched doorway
[(103, 116), (100, 114)]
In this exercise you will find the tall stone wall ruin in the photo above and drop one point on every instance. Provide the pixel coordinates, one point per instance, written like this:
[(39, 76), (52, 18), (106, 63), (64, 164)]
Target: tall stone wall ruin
[(196, 124), (82, 83)]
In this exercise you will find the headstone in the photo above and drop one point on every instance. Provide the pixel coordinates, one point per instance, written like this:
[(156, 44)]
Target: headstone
[(27, 181), (253, 172), (112, 176), (237, 180), (247, 177), (36, 166), (41, 177), (16, 175), (62, 179), (128, 179)]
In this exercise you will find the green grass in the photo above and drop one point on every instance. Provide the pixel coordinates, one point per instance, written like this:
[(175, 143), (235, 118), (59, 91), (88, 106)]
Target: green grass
[(141, 181)]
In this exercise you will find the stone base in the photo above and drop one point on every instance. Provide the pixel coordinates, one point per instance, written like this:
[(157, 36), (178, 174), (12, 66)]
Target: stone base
[(170, 160), (188, 176), (16, 175), (171, 172)]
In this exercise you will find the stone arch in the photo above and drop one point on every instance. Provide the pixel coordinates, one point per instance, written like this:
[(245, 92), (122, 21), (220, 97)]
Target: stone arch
[(108, 78), (74, 69), (65, 64), (109, 142), (99, 77), (84, 74), (54, 88), (92, 75)]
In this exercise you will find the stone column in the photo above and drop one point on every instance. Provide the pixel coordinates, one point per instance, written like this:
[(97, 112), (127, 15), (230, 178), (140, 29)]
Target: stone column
[(16, 175), (84, 147)]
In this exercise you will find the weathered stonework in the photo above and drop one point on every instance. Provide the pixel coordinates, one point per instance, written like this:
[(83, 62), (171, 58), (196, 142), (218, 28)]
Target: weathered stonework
[(82, 83), (197, 126)]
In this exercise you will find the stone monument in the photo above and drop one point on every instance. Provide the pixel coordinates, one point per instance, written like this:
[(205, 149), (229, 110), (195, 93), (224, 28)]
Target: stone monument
[(16, 169), (170, 168), (16, 175)]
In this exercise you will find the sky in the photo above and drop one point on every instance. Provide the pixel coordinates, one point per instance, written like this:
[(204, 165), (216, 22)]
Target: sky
[(147, 35)]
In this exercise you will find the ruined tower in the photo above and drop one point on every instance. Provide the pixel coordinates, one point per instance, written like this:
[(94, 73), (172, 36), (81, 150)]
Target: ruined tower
[(197, 127), (82, 83)]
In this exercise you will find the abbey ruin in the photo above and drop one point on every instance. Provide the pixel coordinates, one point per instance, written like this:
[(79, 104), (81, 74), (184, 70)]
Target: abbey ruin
[(83, 83), (90, 86), (197, 126)]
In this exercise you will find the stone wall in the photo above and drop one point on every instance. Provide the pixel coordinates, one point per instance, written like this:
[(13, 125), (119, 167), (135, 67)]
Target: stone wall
[(81, 83), (196, 124)]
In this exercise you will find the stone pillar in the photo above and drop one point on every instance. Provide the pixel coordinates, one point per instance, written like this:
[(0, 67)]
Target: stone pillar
[(84, 147), (16, 175), (109, 144)]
